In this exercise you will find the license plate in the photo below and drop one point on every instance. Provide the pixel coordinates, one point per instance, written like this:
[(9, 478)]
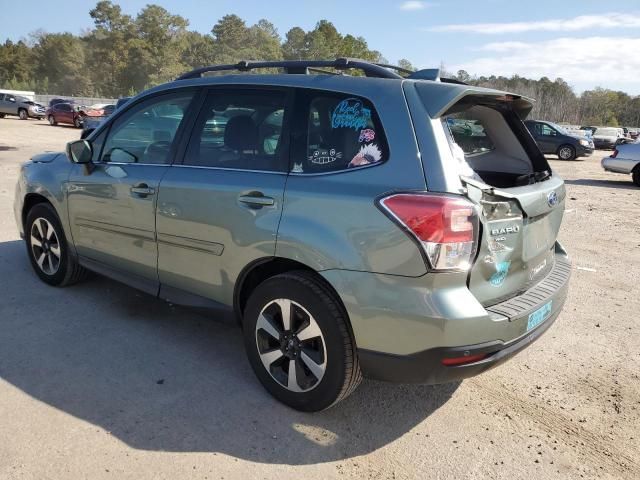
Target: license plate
[(539, 316)]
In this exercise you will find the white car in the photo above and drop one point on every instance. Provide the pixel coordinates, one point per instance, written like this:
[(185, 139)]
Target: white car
[(624, 159)]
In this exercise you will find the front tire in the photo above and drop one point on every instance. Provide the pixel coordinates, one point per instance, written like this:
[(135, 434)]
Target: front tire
[(299, 343), (22, 113), (566, 152), (52, 120), (77, 122), (48, 249)]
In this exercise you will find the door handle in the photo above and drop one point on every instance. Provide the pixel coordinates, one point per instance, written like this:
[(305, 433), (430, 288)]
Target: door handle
[(256, 201), (142, 189)]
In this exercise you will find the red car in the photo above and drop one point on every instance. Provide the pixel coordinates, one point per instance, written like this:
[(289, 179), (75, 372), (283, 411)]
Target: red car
[(65, 113)]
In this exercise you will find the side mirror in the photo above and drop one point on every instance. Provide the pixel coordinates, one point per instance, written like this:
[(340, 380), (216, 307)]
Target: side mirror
[(79, 151)]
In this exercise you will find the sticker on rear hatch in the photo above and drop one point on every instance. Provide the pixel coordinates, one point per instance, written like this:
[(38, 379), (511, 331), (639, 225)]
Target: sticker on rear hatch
[(497, 279), (539, 316)]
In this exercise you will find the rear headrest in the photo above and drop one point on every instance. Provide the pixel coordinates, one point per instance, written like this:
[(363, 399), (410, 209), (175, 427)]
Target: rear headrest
[(241, 134)]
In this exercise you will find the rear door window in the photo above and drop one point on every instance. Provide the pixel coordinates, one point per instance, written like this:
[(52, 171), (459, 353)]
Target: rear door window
[(240, 129), (341, 132), (469, 134)]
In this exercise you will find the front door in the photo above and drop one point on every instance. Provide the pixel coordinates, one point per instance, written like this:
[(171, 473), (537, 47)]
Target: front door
[(112, 204), (220, 209)]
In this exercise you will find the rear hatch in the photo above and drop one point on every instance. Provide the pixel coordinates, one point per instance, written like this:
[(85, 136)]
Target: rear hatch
[(519, 230), (498, 166)]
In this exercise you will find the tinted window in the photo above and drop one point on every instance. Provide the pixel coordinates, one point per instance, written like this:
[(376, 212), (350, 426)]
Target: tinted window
[(240, 129), (342, 132), (145, 133), (547, 131), (469, 133)]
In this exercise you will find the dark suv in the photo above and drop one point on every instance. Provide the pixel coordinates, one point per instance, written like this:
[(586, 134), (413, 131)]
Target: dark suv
[(554, 139), (400, 228)]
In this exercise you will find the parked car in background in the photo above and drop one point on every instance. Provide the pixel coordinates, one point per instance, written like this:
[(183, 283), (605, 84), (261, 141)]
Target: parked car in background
[(320, 209), (65, 113), (55, 101), (624, 159), (22, 107), (606, 138), (94, 118), (92, 122), (553, 139)]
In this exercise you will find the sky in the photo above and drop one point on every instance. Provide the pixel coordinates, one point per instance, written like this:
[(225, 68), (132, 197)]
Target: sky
[(588, 43)]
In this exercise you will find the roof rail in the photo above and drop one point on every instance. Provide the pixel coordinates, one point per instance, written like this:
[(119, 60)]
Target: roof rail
[(301, 67)]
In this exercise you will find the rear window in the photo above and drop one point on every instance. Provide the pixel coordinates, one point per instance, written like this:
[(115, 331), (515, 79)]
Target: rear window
[(342, 132), (469, 133)]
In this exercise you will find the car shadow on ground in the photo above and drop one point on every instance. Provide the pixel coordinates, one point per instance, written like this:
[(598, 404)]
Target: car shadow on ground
[(165, 378), (623, 183)]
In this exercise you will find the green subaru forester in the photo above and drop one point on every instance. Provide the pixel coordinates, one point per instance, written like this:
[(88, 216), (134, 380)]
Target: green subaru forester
[(390, 224)]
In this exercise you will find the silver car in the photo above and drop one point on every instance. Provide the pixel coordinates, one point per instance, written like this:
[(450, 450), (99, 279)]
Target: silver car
[(624, 159)]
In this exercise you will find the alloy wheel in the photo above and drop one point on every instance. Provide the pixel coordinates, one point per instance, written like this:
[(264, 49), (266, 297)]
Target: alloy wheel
[(565, 153), (291, 345), (45, 246)]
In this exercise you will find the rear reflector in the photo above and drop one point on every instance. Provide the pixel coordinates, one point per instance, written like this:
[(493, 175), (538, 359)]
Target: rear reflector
[(450, 362), (446, 226)]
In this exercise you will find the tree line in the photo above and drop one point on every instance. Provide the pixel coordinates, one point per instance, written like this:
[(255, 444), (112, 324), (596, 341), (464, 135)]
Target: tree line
[(556, 100), (122, 55)]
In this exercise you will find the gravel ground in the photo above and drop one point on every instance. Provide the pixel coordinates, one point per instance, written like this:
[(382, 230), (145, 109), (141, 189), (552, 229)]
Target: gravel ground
[(100, 381)]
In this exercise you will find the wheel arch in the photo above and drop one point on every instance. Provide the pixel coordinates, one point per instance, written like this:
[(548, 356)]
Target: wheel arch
[(30, 201), (262, 269)]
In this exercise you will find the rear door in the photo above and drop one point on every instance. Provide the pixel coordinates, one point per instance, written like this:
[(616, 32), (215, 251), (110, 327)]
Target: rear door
[(219, 210)]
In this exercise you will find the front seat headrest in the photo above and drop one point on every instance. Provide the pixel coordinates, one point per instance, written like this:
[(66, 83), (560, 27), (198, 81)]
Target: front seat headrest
[(241, 134)]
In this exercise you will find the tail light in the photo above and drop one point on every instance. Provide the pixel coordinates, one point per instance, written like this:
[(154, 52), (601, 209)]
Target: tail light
[(615, 153), (446, 227)]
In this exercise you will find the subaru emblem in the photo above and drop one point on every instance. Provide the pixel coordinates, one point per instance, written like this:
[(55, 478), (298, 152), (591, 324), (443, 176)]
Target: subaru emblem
[(552, 199)]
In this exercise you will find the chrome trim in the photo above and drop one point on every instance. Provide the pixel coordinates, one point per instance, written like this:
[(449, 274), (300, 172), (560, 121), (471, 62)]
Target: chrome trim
[(334, 172), (140, 164), (229, 169)]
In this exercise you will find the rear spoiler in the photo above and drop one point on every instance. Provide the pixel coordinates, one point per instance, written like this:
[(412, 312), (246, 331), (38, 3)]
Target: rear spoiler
[(439, 97)]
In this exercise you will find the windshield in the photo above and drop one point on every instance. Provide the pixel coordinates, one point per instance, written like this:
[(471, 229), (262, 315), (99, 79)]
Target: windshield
[(559, 128), (608, 132)]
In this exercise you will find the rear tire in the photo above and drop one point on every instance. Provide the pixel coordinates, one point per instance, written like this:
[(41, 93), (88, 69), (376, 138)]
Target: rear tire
[(566, 152), (635, 175), (22, 113), (308, 362), (52, 120), (48, 249), (1, 115)]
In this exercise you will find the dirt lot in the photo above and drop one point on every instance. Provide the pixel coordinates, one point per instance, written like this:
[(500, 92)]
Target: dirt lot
[(100, 381)]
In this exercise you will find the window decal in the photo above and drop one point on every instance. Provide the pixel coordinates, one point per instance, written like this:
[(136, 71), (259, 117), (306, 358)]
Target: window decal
[(322, 157), (368, 154), (367, 135), (350, 113), (297, 168)]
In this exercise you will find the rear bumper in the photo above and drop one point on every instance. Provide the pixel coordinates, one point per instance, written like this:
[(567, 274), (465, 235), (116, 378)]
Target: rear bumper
[(618, 164), (426, 366)]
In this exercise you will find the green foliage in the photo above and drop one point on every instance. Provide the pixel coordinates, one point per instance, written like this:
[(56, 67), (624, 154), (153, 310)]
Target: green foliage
[(556, 100)]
